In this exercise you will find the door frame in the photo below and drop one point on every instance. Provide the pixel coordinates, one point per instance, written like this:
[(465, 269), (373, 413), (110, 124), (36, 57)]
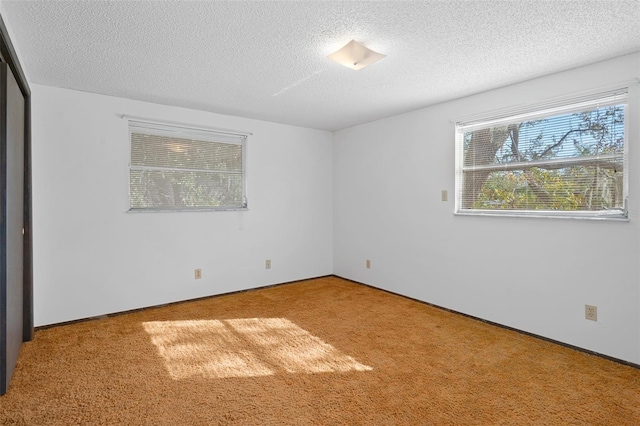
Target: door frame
[(9, 56)]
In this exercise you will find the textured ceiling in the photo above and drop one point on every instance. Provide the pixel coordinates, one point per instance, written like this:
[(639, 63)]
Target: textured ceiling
[(267, 60)]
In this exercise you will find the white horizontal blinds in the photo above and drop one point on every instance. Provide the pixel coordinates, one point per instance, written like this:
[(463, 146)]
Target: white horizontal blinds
[(177, 168), (564, 158)]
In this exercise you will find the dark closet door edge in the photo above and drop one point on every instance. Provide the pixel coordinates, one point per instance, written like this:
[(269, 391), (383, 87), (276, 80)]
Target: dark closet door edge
[(8, 55)]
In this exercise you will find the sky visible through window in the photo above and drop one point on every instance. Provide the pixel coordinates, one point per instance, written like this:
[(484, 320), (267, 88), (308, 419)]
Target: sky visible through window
[(546, 132)]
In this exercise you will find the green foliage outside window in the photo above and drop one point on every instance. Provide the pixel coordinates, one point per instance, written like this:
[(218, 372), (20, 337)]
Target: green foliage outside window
[(170, 172), (567, 162)]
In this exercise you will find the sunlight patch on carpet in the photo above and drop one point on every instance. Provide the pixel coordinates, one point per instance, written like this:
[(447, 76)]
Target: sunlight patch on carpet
[(247, 347)]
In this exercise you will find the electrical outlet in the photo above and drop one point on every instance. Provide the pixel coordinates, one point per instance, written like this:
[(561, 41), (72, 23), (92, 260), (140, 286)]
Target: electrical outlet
[(197, 274), (267, 264), (444, 195), (591, 312), (368, 264)]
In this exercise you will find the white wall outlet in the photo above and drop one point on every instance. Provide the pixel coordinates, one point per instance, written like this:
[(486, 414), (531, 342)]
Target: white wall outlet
[(197, 274), (591, 312), (368, 264), (267, 264)]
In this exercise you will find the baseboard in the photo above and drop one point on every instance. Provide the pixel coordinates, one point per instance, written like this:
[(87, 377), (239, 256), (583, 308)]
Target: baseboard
[(506, 327), (114, 314)]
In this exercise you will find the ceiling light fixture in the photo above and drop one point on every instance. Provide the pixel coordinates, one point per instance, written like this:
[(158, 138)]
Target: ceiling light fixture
[(355, 56)]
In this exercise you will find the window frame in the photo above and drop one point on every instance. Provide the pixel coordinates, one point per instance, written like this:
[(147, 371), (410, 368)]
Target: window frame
[(185, 131), (556, 107)]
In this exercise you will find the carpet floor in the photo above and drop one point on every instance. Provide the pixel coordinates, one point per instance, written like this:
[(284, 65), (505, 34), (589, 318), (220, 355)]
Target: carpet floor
[(318, 352)]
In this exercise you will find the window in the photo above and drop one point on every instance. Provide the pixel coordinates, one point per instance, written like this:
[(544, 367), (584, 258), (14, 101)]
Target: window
[(566, 160), (179, 168)]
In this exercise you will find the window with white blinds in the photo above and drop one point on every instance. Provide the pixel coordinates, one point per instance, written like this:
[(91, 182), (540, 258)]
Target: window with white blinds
[(564, 159), (180, 168)]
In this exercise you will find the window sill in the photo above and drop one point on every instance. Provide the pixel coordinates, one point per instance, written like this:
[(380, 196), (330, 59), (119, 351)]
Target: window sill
[(544, 214), (189, 210)]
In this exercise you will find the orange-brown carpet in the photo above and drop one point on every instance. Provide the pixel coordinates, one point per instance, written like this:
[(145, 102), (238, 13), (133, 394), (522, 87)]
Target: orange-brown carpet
[(324, 351)]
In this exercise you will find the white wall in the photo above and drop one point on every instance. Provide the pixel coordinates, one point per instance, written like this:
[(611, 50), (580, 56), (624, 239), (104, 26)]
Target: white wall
[(92, 258), (532, 274)]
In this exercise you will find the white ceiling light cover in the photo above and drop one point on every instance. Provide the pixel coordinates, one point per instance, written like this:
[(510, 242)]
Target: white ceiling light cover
[(355, 56)]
